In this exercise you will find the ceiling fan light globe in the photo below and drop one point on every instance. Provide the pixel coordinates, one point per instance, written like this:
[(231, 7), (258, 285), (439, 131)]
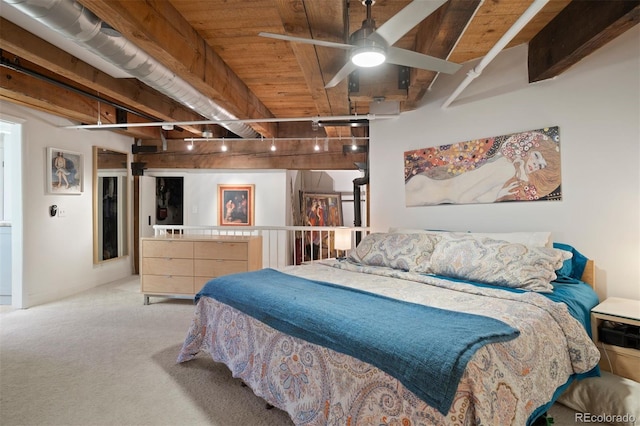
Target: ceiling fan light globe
[(368, 57)]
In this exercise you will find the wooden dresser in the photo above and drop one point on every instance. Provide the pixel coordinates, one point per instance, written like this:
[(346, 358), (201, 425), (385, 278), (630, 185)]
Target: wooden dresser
[(180, 266)]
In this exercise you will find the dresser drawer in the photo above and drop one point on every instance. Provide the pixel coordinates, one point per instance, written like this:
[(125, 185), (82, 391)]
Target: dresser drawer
[(167, 266), (199, 282), (182, 266), (167, 248), (167, 284), (220, 250), (216, 268)]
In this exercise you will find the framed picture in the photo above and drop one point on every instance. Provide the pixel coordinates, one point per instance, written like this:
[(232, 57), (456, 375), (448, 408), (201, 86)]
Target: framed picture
[(321, 209), (235, 205), (64, 171), (522, 166)]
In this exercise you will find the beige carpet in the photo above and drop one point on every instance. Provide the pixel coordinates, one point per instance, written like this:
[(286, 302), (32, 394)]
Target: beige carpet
[(103, 358)]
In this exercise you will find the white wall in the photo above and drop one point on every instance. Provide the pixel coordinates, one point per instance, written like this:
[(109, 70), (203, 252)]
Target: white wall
[(596, 106), (201, 193), (58, 251)]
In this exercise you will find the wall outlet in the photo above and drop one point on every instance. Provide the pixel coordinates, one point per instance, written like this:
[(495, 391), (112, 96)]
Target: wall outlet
[(61, 212)]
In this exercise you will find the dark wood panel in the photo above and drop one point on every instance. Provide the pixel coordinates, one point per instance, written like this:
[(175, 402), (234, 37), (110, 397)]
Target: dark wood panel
[(583, 26)]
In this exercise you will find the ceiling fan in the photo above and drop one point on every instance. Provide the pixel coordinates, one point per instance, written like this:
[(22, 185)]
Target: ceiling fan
[(371, 47)]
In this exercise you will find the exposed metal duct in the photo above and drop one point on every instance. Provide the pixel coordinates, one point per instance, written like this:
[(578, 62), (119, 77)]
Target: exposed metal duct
[(80, 25)]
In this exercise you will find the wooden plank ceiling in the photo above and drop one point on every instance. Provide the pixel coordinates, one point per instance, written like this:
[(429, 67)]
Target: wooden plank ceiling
[(214, 46)]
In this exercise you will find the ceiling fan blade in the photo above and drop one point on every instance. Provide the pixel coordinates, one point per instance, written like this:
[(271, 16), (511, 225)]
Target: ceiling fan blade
[(306, 40), (413, 59), (347, 69), (402, 22)]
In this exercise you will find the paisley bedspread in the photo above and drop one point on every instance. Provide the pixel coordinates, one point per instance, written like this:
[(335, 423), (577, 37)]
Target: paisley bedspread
[(503, 384)]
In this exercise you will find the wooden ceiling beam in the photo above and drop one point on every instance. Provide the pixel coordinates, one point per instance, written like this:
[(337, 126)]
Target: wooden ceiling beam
[(243, 154), (19, 88), (325, 21), (128, 92), (160, 30), (437, 36), (578, 30)]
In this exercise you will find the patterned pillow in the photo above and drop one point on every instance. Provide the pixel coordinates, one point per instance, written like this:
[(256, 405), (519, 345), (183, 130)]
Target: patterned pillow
[(407, 252), (497, 262)]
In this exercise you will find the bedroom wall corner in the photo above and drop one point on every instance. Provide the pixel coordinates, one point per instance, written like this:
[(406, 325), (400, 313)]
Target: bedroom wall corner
[(596, 105)]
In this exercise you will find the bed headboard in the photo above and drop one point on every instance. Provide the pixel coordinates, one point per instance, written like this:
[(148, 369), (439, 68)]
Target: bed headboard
[(589, 273)]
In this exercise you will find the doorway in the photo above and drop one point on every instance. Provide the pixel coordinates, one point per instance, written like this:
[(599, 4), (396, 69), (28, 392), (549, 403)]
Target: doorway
[(169, 200), (10, 212)]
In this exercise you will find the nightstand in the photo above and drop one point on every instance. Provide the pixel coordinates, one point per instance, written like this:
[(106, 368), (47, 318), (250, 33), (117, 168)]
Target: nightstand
[(623, 361)]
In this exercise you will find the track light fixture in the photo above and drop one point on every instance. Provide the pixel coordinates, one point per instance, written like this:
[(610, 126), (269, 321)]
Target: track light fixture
[(340, 120)]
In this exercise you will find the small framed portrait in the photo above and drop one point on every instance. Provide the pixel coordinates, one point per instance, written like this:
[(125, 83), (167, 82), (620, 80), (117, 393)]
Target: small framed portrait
[(236, 205), (64, 172)]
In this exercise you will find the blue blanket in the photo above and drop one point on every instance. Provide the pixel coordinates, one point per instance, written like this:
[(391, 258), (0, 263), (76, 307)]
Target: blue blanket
[(425, 348)]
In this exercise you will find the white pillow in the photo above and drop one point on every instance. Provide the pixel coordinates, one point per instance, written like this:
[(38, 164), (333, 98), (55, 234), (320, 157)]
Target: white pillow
[(498, 262), (532, 239), (407, 252), (609, 394)]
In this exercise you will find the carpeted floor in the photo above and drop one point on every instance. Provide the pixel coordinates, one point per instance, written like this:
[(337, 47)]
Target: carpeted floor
[(103, 358)]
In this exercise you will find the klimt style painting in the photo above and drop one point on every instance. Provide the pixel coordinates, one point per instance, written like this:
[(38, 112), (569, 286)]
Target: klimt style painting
[(521, 166)]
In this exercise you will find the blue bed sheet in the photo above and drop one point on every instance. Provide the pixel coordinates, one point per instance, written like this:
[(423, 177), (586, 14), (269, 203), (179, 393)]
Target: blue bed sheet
[(580, 298)]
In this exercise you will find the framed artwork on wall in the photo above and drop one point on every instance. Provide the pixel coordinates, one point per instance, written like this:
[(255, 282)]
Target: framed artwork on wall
[(522, 166), (236, 205), (64, 172), (321, 209)]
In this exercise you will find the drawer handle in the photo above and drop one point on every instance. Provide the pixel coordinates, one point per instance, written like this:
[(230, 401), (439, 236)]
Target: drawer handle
[(169, 276)]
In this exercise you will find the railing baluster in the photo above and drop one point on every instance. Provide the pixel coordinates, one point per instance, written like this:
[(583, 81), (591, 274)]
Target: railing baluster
[(278, 241)]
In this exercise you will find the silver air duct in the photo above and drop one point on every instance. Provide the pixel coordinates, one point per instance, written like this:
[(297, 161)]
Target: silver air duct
[(80, 25)]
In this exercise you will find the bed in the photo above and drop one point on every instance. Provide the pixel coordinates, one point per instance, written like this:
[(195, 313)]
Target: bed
[(412, 328)]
